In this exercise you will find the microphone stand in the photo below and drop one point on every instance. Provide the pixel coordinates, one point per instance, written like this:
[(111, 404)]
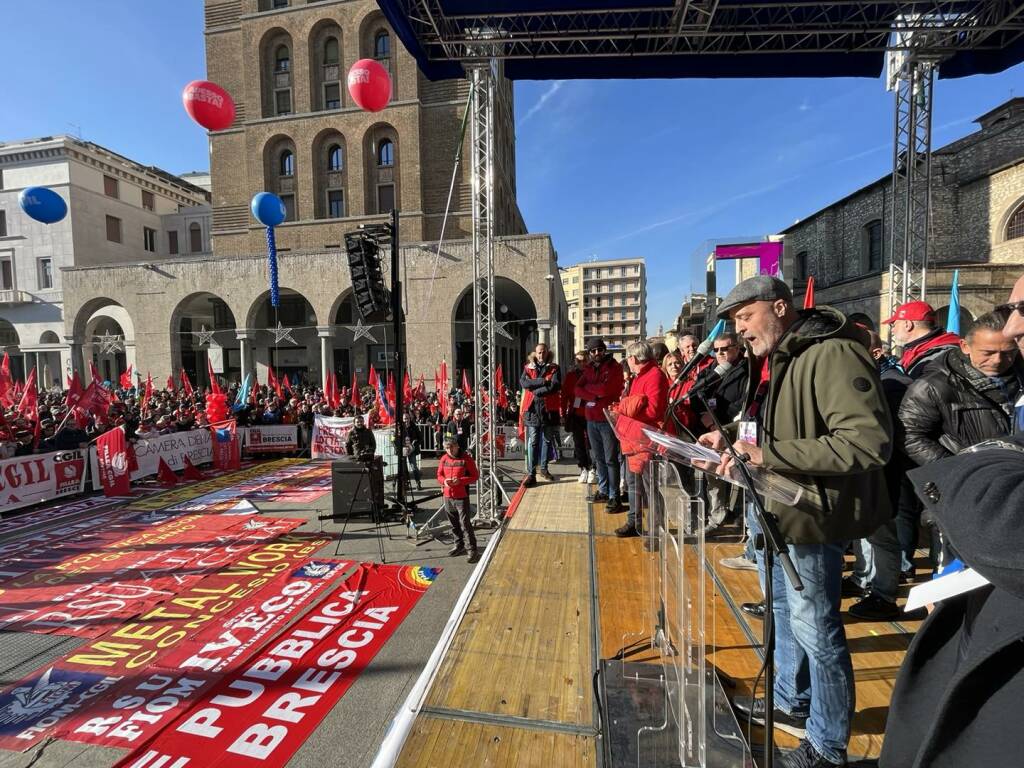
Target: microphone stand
[(774, 548)]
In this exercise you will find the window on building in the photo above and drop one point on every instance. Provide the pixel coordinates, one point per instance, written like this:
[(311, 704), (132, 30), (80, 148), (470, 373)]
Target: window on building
[(148, 201), (382, 47), (289, 207), (149, 239), (113, 229), (3, 223), (386, 154), (282, 59), (335, 204), (6, 273), (874, 245), (283, 102), (385, 198), (172, 242), (800, 266), (332, 96), (195, 237), (1015, 226), (335, 158), (279, 4), (110, 186), (45, 273), (286, 164), (331, 50)]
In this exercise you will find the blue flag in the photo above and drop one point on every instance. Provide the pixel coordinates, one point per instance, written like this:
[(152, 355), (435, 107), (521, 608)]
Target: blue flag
[(243, 393), (953, 320)]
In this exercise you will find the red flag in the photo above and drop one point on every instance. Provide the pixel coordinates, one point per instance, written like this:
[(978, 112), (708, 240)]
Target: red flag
[(191, 470), (809, 293), (442, 395), (148, 393), (95, 373), (185, 383), (406, 388), (465, 385), (273, 383), (126, 379), (28, 406), (74, 393), (389, 391), (165, 474), (6, 383), (226, 453), (170, 382), (421, 387), (501, 396), (333, 393), (214, 384), (287, 384), (353, 395), (112, 460), (95, 400)]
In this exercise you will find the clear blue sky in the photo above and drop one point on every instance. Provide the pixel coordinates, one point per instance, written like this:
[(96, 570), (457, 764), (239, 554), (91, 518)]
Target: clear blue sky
[(609, 168)]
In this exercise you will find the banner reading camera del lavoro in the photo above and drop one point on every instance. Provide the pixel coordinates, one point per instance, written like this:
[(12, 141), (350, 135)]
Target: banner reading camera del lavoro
[(172, 448)]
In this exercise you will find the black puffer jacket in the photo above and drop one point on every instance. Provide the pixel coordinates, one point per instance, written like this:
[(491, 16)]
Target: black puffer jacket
[(953, 406), (725, 398)]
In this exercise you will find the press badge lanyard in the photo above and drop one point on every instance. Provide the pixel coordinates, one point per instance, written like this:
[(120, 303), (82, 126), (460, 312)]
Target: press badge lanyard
[(750, 426)]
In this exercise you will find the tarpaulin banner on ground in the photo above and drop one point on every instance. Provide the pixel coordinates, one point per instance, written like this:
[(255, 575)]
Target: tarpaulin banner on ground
[(271, 438), (261, 714), (26, 480), (134, 713), (329, 436), (262, 488), (171, 448), (179, 495), (33, 708)]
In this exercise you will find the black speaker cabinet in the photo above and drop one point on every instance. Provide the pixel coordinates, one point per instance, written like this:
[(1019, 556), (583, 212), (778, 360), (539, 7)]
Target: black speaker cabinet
[(357, 488)]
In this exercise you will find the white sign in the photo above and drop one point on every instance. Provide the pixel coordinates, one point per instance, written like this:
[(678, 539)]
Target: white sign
[(26, 480), (271, 438), (329, 436), (216, 354), (172, 448)]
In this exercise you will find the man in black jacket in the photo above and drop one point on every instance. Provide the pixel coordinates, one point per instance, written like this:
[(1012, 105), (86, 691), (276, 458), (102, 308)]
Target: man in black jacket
[(541, 381), (957, 697)]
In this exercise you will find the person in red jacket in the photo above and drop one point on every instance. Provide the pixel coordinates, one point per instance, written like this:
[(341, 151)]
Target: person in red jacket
[(646, 402), (456, 471), (600, 386), (575, 420)]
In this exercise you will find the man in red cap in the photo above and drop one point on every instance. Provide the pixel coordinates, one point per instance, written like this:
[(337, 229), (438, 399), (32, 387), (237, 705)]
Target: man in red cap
[(913, 328)]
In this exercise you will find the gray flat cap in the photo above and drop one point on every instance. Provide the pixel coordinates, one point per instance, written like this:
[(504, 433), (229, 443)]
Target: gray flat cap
[(757, 288)]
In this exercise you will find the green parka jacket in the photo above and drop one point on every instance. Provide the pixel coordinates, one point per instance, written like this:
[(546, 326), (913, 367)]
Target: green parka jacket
[(826, 426)]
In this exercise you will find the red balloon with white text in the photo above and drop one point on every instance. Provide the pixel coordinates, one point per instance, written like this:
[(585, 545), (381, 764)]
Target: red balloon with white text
[(209, 105), (369, 84)]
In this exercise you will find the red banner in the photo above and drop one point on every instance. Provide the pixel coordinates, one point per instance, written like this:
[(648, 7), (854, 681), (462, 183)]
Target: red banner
[(137, 712), (33, 708), (112, 458), (260, 715)]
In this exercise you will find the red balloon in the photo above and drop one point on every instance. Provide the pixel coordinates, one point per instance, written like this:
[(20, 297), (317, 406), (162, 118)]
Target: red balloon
[(369, 84), (209, 105)]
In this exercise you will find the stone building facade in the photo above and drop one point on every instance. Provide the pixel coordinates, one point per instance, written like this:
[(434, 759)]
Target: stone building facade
[(299, 135), (977, 226), (118, 211)]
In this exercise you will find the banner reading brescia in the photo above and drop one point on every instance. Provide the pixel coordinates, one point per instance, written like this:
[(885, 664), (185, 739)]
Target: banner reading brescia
[(172, 448), (26, 480), (329, 436), (271, 438)]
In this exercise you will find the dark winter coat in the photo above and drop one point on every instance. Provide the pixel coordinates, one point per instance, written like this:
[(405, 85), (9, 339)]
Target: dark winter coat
[(920, 354), (958, 694), (725, 398), (953, 406), (544, 381), (826, 426), (361, 442)]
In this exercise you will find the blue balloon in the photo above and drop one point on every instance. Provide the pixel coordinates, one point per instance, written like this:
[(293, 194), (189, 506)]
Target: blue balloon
[(268, 209), (43, 204)]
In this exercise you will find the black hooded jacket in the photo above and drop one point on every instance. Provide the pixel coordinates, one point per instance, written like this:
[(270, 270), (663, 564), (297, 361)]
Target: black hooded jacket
[(958, 694)]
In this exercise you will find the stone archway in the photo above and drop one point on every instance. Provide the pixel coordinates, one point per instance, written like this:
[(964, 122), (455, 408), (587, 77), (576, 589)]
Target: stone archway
[(202, 336), (107, 334), (515, 312), (294, 354), (10, 344)]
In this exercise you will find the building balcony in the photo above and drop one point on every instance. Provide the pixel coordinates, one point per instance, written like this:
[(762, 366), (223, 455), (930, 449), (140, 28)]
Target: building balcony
[(13, 296)]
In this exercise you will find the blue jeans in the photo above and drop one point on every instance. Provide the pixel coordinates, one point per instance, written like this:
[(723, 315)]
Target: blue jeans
[(537, 449), (813, 671), (637, 494), (604, 449), (877, 562)]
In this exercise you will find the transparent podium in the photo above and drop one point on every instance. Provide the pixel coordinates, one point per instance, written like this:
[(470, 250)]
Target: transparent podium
[(670, 709)]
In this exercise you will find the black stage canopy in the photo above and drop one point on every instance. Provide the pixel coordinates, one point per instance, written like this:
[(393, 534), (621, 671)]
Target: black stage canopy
[(600, 39)]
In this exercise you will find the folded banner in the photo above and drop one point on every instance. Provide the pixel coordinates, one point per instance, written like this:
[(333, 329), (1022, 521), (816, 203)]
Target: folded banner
[(261, 714), (26, 480), (226, 453), (112, 460), (171, 448), (271, 438), (329, 436)]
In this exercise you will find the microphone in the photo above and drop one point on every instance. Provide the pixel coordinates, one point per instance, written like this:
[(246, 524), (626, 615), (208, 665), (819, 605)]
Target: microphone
[(703, 352), (713, 379)]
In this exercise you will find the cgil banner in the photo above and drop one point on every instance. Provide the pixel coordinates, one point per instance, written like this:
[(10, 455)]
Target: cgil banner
[(26, 480), (172, 448), (263, 711), (271, 438)]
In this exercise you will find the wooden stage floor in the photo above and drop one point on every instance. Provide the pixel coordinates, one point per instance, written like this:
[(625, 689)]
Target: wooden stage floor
[(562, 593)]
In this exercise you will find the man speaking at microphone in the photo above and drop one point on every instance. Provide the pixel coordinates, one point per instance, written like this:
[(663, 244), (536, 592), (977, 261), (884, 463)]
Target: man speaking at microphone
[(814, 412)]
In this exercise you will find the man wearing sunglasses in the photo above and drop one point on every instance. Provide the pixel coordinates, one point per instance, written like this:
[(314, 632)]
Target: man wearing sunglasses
[(1014, 328)]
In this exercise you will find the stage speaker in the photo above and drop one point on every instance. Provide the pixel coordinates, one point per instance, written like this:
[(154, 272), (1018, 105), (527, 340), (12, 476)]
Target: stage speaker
[(357, 488), (371, 298)]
